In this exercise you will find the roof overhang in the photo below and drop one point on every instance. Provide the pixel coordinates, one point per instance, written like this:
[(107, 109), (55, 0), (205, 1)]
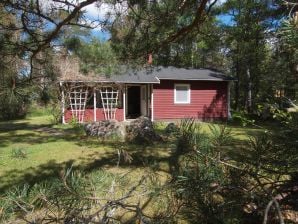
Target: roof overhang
[(213, 80)]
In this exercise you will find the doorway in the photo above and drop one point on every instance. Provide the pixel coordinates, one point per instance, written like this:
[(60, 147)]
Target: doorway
[(133, 102)]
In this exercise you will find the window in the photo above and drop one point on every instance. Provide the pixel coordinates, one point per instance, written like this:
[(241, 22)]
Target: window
[(182, 93)]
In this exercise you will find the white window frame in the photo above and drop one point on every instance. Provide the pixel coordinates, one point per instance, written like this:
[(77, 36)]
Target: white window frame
[(188, 93)]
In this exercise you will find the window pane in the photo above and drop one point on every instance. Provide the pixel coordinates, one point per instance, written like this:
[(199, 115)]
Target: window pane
[(182, 94)]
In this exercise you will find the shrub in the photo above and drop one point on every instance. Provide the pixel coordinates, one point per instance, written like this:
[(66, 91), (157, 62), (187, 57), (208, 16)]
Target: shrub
[(188, 135), (242, 118), (221, 136), (198, 184), (18, 153), (56, 113), (13, 105)]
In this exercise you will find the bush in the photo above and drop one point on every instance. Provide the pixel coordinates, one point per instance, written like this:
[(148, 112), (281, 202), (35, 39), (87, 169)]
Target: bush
[(18, 153), (56, 113), (242, 118), (13, 106), (188, 135), (35, 110), (221, 136)]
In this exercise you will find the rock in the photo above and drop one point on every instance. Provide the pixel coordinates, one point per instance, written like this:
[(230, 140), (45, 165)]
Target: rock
[(142, 131), (106, 129), (171, 128), (139, 131)]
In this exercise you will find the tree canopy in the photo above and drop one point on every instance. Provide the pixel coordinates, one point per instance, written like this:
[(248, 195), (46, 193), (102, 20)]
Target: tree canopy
[(257, 45)]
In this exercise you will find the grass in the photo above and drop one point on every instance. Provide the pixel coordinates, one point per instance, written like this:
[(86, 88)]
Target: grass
[(46, 149), (33, 150), (51, 148)]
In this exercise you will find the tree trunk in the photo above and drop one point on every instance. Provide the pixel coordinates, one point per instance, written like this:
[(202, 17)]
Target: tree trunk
[(249, 87), (236, 106)]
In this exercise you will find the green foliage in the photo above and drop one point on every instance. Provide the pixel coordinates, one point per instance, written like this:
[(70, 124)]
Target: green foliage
[(253, 61), (272, 111), (221, 135), (289, 34), (188, 135), (243, 118), (261, 147), (13, 101), (18, 153), (95, 56), (197, 184), (76, 125), (66, 199), (200, 175), (56, 113), (79, 197)]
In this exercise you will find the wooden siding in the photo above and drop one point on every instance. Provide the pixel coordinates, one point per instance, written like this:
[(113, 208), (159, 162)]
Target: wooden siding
[(208, 100), (89, 115)]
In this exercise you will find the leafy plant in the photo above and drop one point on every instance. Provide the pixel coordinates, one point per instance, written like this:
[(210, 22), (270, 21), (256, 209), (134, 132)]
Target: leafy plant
[(221, 136), (242, 118), (188, 135), (198, 184), (77, 127), (18, 153)]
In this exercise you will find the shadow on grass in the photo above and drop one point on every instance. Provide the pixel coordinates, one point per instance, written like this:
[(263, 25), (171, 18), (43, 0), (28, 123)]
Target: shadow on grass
[(32, 175), (26, 133), (12, 132), (143, 157)]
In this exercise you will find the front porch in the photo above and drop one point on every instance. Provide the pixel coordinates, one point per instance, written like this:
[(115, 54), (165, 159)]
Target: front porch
[(91, 102)]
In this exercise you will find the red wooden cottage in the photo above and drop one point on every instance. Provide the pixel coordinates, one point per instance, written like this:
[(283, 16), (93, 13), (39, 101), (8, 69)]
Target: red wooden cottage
[(161, 93)]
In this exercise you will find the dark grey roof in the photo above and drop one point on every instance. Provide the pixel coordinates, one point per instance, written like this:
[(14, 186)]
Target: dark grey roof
[(154, 74), (137, 76)]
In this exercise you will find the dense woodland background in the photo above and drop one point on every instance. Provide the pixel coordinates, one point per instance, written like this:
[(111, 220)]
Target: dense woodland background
[(254, 41)]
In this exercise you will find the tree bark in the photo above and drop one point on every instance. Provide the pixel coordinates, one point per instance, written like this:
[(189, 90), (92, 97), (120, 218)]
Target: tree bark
[(249, 92), (236, 106)]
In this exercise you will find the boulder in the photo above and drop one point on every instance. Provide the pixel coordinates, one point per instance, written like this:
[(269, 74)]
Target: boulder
[(141, 130), (106, 129)]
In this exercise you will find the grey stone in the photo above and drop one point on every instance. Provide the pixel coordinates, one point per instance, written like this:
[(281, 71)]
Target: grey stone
[(105, 129), (141, 130)]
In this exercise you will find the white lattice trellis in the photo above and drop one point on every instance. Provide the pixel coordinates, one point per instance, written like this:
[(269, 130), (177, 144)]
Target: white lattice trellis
[(109, 99), (77, 100)]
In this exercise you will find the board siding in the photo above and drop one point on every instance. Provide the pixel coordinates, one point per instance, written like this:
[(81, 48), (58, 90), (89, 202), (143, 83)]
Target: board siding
[(208, 100), (89, 115)]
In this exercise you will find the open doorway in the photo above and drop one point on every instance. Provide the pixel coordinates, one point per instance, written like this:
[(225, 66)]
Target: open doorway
[(133, 102)]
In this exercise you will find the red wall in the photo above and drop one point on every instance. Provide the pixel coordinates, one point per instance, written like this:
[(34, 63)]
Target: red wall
[(208, 100), (89, 115)]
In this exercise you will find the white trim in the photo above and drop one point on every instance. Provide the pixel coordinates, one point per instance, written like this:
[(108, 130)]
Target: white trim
[(229, 99), (152, 103), (112, 82), (143, 99), (63, 103), (188, 93), (94, 104), (136, 83), (124, 103), (194, 79)]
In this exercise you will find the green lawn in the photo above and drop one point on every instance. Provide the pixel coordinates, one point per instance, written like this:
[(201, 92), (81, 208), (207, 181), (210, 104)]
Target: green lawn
[(48, 149)]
